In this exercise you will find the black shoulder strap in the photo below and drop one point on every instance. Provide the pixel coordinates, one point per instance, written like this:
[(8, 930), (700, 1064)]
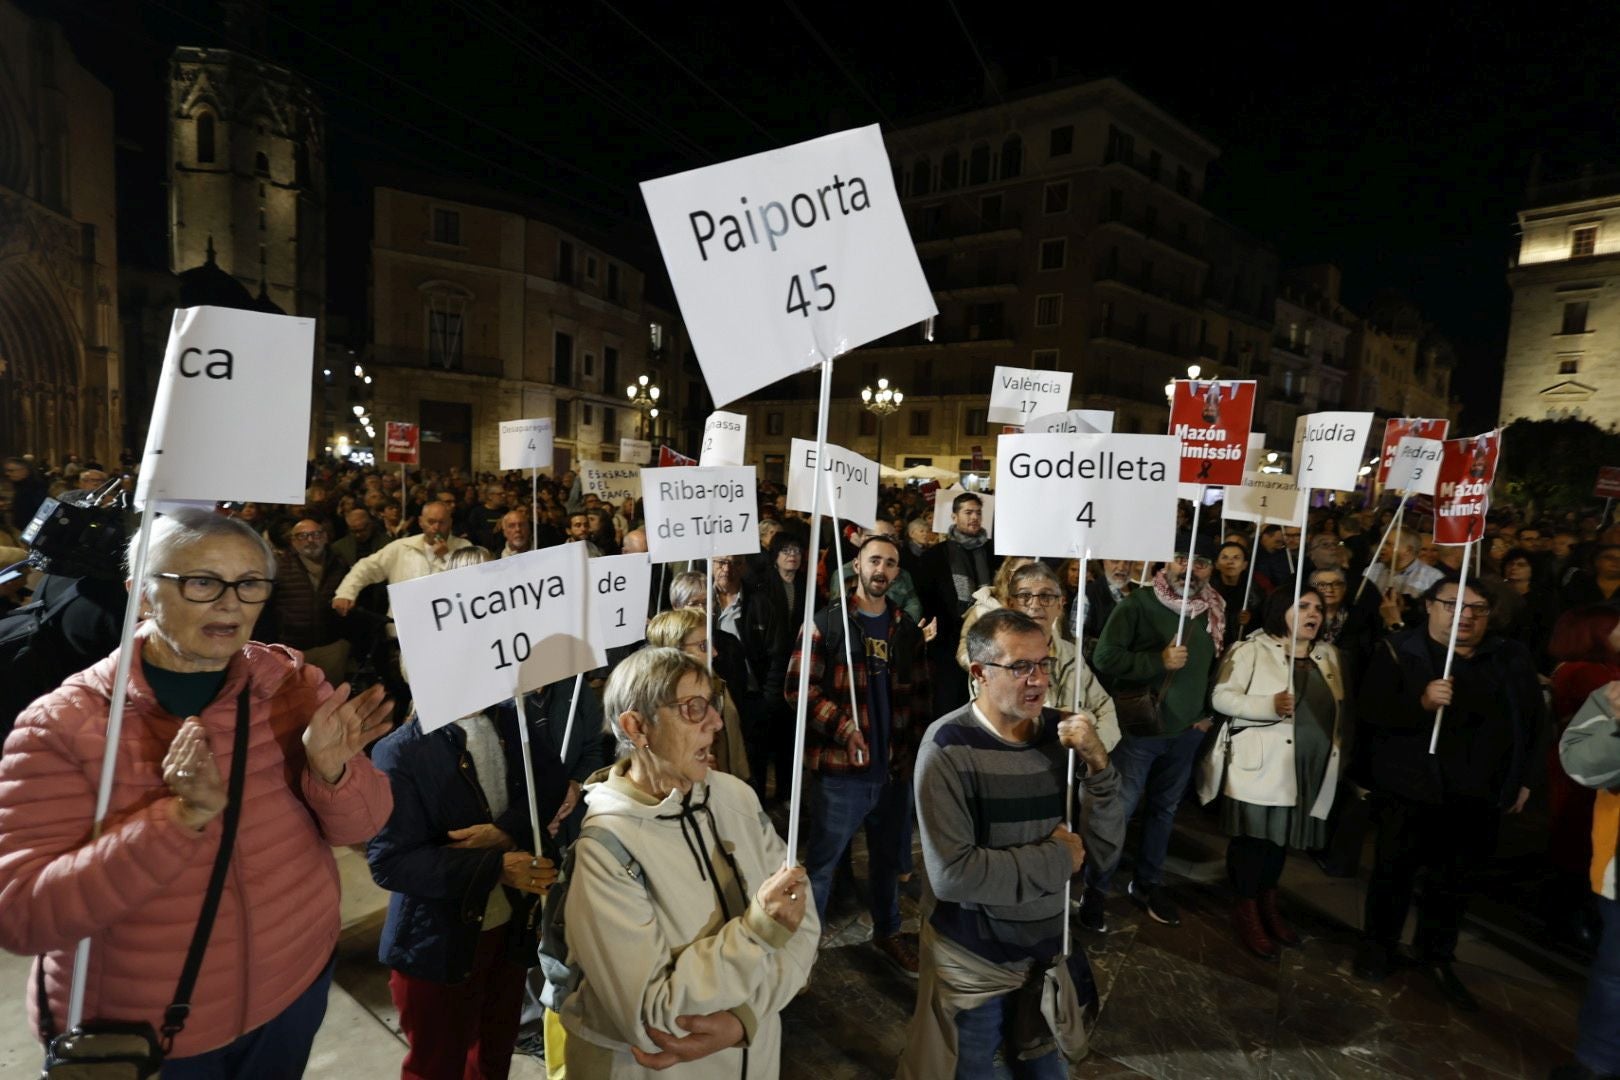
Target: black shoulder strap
[(174, 1017)]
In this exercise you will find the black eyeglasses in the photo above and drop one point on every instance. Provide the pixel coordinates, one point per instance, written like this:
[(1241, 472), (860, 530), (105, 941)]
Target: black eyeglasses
[(695, 709), (1045, 599), (205, 588), (1023, 669), (1478, 608)]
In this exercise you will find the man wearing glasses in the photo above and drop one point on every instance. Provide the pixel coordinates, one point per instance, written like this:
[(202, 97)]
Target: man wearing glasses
[(1139, 656), (1439, 814), (300, 612)]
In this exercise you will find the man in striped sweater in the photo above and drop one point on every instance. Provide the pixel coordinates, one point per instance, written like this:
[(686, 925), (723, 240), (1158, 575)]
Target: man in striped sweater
[(990, 786)]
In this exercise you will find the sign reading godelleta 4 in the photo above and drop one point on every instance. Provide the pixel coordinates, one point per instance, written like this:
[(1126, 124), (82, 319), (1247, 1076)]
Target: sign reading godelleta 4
[(786, 258), (1113, 496)]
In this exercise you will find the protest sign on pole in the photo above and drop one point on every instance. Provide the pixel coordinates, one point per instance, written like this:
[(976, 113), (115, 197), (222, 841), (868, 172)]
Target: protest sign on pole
[(480, 634), (669, 459), (1413, 466), (854, 481), (1328, 449), (1608, 482), (788, 257), (526, 444), (1406, 427), (619, 587), (401, 443), (611, 481), (1073, 421), (1263, 497), (1463, 495), (724, 434), (697, 513), (943, 512), (1019, 394), (1212, 420), (635, 451), (235, 394), (1061, 495)]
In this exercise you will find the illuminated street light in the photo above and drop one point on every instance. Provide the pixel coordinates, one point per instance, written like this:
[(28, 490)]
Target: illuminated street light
[(643, 395), (882, 402)]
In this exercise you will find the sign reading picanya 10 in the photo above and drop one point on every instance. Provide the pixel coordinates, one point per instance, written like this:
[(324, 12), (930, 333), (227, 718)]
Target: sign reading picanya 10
[(786, 258)]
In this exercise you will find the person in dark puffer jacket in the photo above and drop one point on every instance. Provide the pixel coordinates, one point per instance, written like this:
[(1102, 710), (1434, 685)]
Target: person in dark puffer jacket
[(458, 855)]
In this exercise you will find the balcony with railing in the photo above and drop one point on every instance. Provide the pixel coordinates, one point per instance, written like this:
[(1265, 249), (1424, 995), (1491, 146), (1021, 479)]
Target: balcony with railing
[(1109, 273), (938, 228), (1104, 330), (1153, 231), (436, 360)]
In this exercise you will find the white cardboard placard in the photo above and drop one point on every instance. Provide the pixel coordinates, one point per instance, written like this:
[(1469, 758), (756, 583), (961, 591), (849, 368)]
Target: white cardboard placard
[(724, 434), (695, 512), (526, 444), (1113, 496), (1256, 455), (635, 451), (480, 634), (1020, 394), (620, 585), (788, 257), (1414, 465), (942, 509), (1074, 421), (1273, 496), (1329, 448), (611, 481), (231, 417), (854, 482)]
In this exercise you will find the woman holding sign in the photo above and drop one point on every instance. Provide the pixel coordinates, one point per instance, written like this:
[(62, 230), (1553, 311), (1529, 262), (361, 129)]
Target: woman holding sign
[(200, 694), (1281, 756), (689, 960)]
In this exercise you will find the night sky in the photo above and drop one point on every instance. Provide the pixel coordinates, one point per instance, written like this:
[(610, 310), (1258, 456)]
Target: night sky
[(1396, 143)]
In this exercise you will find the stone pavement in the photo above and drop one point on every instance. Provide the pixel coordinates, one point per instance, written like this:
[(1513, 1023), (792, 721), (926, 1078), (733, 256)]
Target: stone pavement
[(1179, 1004)]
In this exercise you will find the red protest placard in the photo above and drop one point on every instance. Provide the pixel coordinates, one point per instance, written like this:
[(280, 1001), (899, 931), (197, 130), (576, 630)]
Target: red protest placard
[(668, 458), (1608, 482), (402, 443), (1212, 419), (1467, 469), (1396, 430)]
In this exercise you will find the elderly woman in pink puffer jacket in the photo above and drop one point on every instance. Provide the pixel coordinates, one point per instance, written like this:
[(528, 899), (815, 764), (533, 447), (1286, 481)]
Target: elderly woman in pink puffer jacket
[(137, 890)]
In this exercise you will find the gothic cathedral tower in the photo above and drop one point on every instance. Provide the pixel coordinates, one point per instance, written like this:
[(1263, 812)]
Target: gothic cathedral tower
[(247, 179)]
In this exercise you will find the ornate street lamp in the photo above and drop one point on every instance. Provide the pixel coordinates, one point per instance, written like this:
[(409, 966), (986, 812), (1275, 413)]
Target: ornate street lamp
[(643, 395), (881, 403)]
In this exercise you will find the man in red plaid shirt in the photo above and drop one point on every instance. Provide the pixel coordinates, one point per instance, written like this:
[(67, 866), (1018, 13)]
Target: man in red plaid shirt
[(862, 764)]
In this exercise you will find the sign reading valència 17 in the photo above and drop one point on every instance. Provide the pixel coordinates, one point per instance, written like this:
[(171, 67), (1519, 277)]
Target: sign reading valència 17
[(788, 257)]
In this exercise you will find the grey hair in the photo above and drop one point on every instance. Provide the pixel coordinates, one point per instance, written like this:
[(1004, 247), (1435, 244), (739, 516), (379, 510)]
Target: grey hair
[(689, 589), (642, 682), (184, 527), (1034, 570), (982, 646)]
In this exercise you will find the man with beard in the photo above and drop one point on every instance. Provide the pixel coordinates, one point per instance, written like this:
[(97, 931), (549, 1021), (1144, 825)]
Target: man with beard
[(1161, 696), (406, 559), (1103, 594), (300, 610), (862, 763), (947, 577)]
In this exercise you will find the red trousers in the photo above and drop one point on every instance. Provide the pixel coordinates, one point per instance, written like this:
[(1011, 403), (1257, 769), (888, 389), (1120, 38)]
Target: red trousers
[(466, 1030)]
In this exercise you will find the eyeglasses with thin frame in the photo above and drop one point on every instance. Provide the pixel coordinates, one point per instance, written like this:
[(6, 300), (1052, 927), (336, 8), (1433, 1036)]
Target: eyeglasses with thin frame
[(1023, 669), (1328, 584), (309, 534), (1199, 562), (694, 709), (1478, 608), (1045, 599), (206, 588)]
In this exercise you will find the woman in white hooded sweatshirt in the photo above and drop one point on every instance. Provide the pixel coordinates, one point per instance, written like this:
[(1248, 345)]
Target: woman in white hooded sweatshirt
[(687, 964)]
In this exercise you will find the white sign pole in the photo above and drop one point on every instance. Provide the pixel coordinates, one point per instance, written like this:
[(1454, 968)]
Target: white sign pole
[(534, 508), (807, 627), (1299, 579), (1068, 802), (663, 568), (1451, 645), (1186, 585), (843, 598), (115, 723), (1394, 527), (528, 771), (404, 503), (1254, 552), (573, 707), (708, 611)]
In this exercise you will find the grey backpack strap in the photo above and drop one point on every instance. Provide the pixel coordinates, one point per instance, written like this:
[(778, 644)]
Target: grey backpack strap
[(608, 839)]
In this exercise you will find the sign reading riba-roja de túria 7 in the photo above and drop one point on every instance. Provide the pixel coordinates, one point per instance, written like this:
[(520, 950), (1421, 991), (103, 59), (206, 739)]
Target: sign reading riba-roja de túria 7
[(698, 512), (1112, 496)]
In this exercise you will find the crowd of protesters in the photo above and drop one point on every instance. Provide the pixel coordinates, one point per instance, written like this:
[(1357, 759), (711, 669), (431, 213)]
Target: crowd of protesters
[(945, 685)]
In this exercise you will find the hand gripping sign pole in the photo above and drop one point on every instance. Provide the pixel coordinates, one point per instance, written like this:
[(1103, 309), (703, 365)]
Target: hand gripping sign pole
[(1192, 544), (1451, 645), (807, 627)]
